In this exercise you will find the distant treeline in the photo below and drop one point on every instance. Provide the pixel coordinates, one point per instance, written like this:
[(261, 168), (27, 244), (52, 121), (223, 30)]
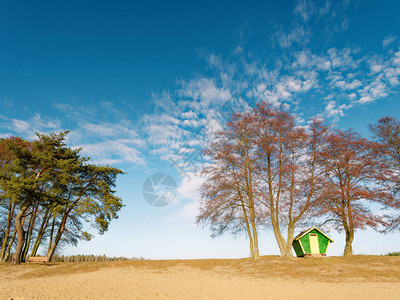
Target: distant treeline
[(89, 258)]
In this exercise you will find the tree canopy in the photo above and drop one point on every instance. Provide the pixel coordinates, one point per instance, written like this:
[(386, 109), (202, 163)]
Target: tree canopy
[(48, 190)]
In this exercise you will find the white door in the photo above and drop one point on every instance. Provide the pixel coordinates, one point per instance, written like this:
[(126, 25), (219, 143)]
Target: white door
[(314, 243)]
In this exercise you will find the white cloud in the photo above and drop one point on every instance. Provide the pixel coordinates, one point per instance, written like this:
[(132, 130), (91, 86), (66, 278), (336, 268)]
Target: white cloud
[(348, 85), (388, 40), (298, 35), (305, 9), (27, 128), (214, 61), (6, 102), (352, 96), (343, 59), (188, 194), (206, 91), (294, 84), (376, 68), (282, 92), (396, 58), (238, 50), (189, 188), (109, 142), (105, 142), (19, 126), (189, 115), (106, 129), (366, 99), (335, 111), (117, 151), (376, 89), (331, 109), (261, 87)]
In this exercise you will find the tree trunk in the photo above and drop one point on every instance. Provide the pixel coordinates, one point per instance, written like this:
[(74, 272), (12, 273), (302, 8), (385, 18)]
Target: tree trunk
[(251, 241), (41, 231), (19, 226), (55, 244), (58, 236), (283, 247), (51, 234), (253, 225), (289, 242), (8, 229), (255, 240), (7, 253), (29, 233), (248, 231), (348, 249)]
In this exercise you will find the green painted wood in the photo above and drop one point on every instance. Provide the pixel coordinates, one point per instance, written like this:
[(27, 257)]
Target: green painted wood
[(305, 241), (297, 248), (323, 243)]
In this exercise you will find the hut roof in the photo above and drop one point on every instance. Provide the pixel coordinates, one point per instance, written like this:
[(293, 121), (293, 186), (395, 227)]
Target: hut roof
[(303, 233)]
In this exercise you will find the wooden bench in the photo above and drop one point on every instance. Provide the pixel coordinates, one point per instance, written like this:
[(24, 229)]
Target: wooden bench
[(38, 259)]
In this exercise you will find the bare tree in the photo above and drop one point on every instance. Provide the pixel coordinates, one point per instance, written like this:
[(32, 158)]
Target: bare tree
[(355, 175), (228, 195), (288, 154), (387, 132)]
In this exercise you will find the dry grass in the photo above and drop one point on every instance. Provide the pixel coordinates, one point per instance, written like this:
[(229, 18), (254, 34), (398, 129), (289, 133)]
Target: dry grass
[(357, 277), (329, 269)]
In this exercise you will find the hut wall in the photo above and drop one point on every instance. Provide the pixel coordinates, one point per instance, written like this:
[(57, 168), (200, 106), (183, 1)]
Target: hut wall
[(323, 243), (305, 242), (297, 248)]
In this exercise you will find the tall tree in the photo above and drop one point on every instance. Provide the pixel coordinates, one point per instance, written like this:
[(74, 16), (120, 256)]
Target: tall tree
[(228, 200), (387, 132), (89, 193), (355, 175), (19, 181), (288, 169)]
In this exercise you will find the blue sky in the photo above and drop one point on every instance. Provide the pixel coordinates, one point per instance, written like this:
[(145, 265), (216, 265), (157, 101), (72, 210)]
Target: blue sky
[(142, 84)]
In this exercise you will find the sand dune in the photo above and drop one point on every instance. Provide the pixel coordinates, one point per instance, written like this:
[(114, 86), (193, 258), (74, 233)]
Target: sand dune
[(269, 278)]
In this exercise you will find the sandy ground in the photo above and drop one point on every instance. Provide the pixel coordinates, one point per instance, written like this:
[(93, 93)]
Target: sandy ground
[(270, 278)]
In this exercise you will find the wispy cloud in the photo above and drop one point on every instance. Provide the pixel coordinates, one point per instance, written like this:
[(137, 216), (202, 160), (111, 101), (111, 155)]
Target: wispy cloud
[(6, 102), (115, 151), (113, 142), (188, 116), (305, 9), (105, 142), (388, 40), (298, 35), (27, 127)]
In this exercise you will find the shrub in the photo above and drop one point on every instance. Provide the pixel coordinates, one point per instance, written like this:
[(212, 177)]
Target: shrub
[(393, 254)]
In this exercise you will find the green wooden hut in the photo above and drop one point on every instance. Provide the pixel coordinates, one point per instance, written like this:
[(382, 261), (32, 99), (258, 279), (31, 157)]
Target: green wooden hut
[(311, 242)]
